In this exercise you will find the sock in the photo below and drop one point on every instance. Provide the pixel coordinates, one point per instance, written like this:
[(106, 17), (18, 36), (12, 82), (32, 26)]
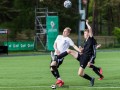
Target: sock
[(55, 73), (87, 77), (59, 78), (92, 66), (62, 55), (96, 70)]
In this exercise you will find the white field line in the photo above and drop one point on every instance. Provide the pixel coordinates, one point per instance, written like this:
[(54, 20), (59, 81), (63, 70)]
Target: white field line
[(61, 87)]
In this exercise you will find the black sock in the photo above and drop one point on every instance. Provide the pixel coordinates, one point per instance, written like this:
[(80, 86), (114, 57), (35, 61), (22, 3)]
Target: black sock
[(92, 66), (96, 70), (62, 55), (87, 77), (53, 72), (56, 73)]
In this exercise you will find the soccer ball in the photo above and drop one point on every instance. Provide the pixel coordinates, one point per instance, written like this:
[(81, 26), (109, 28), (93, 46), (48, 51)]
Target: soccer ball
[(53, 86), (67, 4)]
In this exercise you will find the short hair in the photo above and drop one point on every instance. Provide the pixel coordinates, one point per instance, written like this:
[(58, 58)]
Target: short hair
[(69, 29), (86, 30)]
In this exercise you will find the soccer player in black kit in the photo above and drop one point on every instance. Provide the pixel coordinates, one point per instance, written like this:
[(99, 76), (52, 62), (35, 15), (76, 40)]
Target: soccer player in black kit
[(97, 70), (86, 54)]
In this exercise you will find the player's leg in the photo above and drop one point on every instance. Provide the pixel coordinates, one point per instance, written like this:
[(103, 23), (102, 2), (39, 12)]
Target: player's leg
[(55, 72), (60, 82), (54, 69), (62, 55), (81, 69), (73, 53), (82, 74), (54, 66), (83, 64), (91, 65), (95, 69), (55, 63)]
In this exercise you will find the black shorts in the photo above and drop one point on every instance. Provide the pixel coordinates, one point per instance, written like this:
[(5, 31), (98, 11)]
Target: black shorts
[(59, 62), (83, 59), (92, 60)]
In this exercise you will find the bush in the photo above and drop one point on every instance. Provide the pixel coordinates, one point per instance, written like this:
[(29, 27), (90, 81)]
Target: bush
[(116, 33)]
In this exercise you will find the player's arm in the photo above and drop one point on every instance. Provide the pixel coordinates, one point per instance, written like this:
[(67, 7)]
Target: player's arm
[(74, 46), (89, 28), (77, 49)]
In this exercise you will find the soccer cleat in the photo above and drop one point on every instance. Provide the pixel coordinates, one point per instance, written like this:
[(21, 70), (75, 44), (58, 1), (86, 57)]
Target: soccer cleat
[(61, 84), (101, 71), (92, 81), (101, 78), (58, 81)]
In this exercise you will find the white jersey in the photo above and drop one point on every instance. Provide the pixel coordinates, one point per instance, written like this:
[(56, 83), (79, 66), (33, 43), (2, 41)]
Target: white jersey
[(63, 43)]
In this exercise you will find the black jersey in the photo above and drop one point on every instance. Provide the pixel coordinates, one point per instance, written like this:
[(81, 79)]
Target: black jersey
[(87, 53), (94, 51), (94, 47), (88, 47), (94, 41)]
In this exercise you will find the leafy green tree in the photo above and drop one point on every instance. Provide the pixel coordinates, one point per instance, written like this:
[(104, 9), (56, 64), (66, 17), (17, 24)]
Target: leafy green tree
[(106, 16), (18, 15), (7, 12), (116, 33)]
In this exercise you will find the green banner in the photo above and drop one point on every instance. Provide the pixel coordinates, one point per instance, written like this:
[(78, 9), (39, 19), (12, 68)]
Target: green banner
[(19, 46), (52, 31)]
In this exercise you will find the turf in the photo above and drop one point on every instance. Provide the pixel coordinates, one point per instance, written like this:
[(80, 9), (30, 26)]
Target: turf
[(32, 73)]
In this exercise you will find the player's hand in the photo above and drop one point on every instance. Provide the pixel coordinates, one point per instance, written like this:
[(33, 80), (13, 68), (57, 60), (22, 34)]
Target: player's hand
[(81, 49), (98, 46)]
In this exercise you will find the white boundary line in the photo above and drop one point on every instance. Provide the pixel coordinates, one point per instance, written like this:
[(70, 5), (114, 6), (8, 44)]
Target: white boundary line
[(67, 86), (91, 87)]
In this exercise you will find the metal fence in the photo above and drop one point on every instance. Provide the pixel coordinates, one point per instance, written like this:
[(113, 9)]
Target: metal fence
[(105, 41)]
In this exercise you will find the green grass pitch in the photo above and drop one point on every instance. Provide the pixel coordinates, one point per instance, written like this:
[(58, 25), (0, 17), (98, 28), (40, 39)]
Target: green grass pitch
[(32, 73)]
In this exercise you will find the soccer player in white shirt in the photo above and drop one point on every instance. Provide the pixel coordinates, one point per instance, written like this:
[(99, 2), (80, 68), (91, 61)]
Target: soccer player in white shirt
[(61, 44)]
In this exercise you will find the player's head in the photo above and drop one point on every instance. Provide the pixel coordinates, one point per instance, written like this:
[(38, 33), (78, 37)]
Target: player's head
[(66, 31), (86, 33)]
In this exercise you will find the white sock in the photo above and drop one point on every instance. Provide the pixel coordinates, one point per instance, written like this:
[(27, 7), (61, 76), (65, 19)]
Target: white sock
[(58, 78)]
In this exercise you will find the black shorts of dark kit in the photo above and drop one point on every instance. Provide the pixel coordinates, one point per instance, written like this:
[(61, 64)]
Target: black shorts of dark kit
[(83, 59), (59, 61), (93, 61)]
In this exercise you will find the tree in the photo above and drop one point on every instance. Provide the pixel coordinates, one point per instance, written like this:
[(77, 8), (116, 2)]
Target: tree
[(105, 16), (116, 33), (18, 15), (7, 13)]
